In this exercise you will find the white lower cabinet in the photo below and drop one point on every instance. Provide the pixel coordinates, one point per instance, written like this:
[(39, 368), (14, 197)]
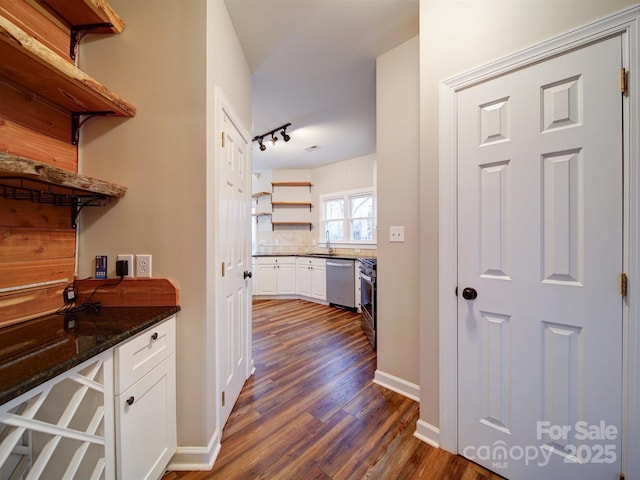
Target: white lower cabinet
[(276, 275), (311, 277), (145, 403)]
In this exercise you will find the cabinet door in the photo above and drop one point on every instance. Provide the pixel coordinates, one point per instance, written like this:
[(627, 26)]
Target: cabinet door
[(146, 425), (303, 278), (266, 279), (286, 281), (319, 283)]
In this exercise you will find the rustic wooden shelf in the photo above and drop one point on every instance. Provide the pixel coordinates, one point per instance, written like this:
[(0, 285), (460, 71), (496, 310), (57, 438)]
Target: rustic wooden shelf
[(24, 179), (35, 67), (13, 168), (87, 12)]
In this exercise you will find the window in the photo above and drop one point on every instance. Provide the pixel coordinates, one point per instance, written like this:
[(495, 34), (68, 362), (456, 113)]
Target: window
[(348, 217)]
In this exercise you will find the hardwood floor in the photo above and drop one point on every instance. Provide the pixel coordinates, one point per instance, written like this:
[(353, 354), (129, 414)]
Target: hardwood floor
[(311, 410)]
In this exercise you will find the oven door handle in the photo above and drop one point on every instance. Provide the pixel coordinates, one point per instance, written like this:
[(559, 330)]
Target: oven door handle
[(366, 277)]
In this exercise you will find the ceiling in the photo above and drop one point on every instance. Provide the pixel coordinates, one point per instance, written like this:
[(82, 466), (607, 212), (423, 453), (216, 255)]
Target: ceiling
[(313, 64)]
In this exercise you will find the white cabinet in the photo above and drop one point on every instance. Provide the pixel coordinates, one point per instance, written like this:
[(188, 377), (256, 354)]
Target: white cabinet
[(311, 277), (145, 402), (276, 275)]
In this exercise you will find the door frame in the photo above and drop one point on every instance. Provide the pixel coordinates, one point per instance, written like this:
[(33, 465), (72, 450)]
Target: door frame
[(624, 23)]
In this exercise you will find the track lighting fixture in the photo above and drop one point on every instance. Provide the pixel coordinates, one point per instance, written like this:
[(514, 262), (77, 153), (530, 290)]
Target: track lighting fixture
[(283, 133)]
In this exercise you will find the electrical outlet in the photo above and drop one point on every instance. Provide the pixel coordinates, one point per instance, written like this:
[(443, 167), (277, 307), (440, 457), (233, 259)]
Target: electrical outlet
[(129, 259), (143, 266)]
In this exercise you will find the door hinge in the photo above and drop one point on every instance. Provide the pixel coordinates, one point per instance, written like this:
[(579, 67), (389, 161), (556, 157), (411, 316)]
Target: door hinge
[(623, 80), (623, 284), (223, 398), (223, 269), (622, 476), (222, 139)]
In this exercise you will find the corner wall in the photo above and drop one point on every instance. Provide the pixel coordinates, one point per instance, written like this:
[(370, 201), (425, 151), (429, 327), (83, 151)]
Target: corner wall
[(167, 62), (398, 193)]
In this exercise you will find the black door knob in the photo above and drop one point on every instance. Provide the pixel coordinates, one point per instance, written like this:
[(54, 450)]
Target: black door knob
[(247, 274), (469, 293)]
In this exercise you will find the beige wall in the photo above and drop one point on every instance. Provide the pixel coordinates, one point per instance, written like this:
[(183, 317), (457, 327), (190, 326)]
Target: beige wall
[(166, 62), (456, 36), (398, 192)]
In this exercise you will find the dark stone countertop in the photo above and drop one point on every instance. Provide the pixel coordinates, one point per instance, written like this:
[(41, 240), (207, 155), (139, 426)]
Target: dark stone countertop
[(38, 350), (340, 256)]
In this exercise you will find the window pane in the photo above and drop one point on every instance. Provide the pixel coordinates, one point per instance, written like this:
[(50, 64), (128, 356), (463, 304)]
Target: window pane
[(335, 229), (334, 209), (362, 207), (362, 229)]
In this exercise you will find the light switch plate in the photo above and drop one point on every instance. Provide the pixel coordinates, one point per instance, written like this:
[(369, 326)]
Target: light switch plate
[(396, 234)]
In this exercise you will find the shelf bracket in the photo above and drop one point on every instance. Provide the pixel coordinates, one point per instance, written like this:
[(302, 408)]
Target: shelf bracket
[(78, 32), (76, 123), (78, 203)]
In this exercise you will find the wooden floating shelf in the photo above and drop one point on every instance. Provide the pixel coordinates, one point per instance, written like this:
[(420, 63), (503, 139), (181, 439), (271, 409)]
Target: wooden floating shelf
[(291, 204), (24, 179), (13, 169), (275, 224), (37, 68), (291, 184), (261, 194), (87, 12)]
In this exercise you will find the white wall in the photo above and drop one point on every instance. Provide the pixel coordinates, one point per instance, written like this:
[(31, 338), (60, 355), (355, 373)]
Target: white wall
[(457, 36), (341, 176), (398, 192), (166, 62)]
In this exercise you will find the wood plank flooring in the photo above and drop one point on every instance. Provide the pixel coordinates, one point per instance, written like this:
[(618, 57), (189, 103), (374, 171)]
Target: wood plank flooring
[(311, 410)]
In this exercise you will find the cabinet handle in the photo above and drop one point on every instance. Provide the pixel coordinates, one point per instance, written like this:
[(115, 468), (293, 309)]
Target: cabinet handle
[(154, 336), (130, 400)]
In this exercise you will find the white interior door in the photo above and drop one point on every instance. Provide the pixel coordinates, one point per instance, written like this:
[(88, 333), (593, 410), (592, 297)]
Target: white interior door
[(540, 227), (234, 305)]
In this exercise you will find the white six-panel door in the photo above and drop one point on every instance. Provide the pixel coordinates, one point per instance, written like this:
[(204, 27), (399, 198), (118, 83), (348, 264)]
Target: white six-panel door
[(234, 304), (540, 241)]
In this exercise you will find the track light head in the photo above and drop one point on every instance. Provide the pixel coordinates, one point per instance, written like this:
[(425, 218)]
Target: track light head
[(284, 135), (274, 139), (263, 147)]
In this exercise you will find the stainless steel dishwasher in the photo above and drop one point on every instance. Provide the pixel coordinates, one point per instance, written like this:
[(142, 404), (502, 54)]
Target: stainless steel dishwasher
[(341, 282)]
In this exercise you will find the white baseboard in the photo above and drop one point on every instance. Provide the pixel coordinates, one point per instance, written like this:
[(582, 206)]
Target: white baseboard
[(427, 433), (196, 458), (398, 385)]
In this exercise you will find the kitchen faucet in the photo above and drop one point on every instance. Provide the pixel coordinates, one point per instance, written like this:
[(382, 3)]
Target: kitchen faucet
[(327, 237)]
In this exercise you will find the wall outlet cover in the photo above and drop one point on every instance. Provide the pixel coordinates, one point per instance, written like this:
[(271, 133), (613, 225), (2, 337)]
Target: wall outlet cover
[(143, 266), (129, 259)]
